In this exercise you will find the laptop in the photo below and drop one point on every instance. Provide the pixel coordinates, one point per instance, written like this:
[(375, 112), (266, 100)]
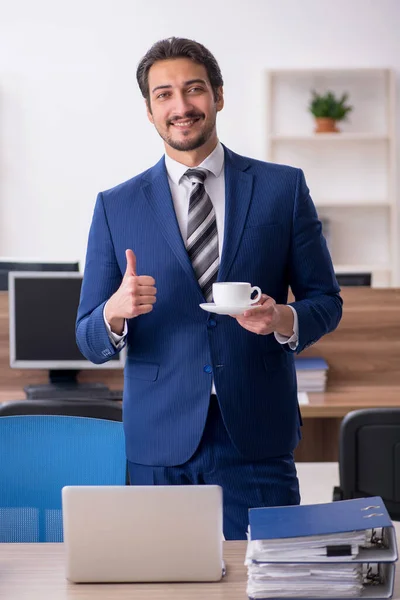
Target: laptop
[(143, 533)]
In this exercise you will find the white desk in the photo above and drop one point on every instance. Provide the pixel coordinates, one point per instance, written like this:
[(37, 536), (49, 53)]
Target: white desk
[(36, 571), (317, 481)]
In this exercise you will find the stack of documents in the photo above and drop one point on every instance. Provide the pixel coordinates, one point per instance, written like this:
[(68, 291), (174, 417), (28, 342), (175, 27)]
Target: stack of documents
[(311, 373), (343, 549)]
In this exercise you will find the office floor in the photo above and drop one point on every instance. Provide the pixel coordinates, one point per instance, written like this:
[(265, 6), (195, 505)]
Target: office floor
[(317, 481)]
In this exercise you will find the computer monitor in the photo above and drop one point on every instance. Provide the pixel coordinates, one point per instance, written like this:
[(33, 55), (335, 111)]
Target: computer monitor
[(43, 308), (12, 264)]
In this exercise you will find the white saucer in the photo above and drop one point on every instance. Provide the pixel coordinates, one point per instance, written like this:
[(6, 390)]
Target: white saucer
[(226, 310)]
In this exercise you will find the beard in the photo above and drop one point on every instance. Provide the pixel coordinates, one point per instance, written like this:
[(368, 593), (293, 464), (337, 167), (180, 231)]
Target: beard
[(187, 145), (192, 143)]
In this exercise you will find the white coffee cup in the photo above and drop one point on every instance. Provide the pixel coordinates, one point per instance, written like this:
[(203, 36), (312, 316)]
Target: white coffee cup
[(235, 293)]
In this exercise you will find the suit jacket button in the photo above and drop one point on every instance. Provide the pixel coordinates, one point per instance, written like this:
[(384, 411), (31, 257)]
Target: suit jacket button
[(207, 369), (211, 323)]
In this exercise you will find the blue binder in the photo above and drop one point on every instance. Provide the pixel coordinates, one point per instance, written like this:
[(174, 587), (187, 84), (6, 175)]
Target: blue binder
[(318, 519), (303, 521), (310, 363)]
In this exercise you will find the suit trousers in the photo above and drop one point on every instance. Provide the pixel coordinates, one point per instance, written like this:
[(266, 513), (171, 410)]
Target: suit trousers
[(245, 483)]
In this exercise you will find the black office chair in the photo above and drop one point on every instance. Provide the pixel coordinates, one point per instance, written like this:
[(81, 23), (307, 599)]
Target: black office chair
[(99, 409), (369, 457)]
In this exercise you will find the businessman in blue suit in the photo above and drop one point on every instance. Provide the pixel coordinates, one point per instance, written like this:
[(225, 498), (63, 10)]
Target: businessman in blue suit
[(208, 399)]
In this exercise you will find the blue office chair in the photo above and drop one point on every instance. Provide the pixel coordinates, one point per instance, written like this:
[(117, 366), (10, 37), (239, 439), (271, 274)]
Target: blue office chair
[(39, 454), (74, 407)]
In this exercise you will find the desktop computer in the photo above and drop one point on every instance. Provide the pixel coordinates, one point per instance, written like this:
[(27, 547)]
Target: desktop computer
[(11, 264), (42, 315)]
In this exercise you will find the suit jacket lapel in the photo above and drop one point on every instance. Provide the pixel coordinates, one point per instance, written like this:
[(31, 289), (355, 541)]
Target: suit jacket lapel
[(158, 193), (238, 191)]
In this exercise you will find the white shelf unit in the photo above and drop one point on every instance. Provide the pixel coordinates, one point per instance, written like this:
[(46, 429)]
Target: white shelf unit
[(351, 174), (323, 137)]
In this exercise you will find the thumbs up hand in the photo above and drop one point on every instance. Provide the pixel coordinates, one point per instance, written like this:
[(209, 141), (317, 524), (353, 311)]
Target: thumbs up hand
[(135, 296), (130, 263)]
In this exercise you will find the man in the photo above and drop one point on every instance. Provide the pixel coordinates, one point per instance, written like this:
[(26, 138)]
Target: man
[(208, 399)]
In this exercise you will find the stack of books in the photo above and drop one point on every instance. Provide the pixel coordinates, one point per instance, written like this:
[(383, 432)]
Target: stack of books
[(343, 549), (311, 374)]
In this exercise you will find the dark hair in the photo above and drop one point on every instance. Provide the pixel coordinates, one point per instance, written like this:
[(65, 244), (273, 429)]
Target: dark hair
[(174, 47)]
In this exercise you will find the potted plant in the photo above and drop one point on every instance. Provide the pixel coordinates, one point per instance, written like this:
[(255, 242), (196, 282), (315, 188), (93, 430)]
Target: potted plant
[(327, 110)]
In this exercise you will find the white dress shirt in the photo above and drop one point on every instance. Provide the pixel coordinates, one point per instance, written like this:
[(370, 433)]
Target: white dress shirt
[(215, 187)]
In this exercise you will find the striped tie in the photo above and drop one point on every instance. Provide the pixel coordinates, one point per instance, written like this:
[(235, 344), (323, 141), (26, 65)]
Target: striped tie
[(202, 235)]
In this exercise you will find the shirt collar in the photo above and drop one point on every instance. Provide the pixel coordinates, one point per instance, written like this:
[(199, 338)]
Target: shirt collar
[(214, 163)]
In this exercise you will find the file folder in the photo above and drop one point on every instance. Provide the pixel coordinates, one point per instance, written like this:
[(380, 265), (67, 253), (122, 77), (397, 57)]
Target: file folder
[(379, 587), (287, 536), (310, 363), (318, 519)]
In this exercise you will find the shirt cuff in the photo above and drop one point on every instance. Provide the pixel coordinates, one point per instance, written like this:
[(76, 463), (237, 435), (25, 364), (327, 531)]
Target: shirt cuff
[(116, 340), (293, 341)]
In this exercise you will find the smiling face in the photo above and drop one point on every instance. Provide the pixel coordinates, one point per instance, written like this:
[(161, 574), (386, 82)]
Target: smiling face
[(183, 109)]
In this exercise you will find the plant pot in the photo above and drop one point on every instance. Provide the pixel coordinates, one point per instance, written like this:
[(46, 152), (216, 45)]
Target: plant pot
[(325, 125)]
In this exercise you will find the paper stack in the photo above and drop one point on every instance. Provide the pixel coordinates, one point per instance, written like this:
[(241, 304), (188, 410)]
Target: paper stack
[(311, 374), (343, 549)]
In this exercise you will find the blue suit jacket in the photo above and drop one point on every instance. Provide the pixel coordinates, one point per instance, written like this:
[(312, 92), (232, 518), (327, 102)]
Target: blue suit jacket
[(272, 239)]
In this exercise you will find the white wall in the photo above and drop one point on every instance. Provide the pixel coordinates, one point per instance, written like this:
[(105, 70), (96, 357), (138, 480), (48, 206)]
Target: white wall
[(72, 120)]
